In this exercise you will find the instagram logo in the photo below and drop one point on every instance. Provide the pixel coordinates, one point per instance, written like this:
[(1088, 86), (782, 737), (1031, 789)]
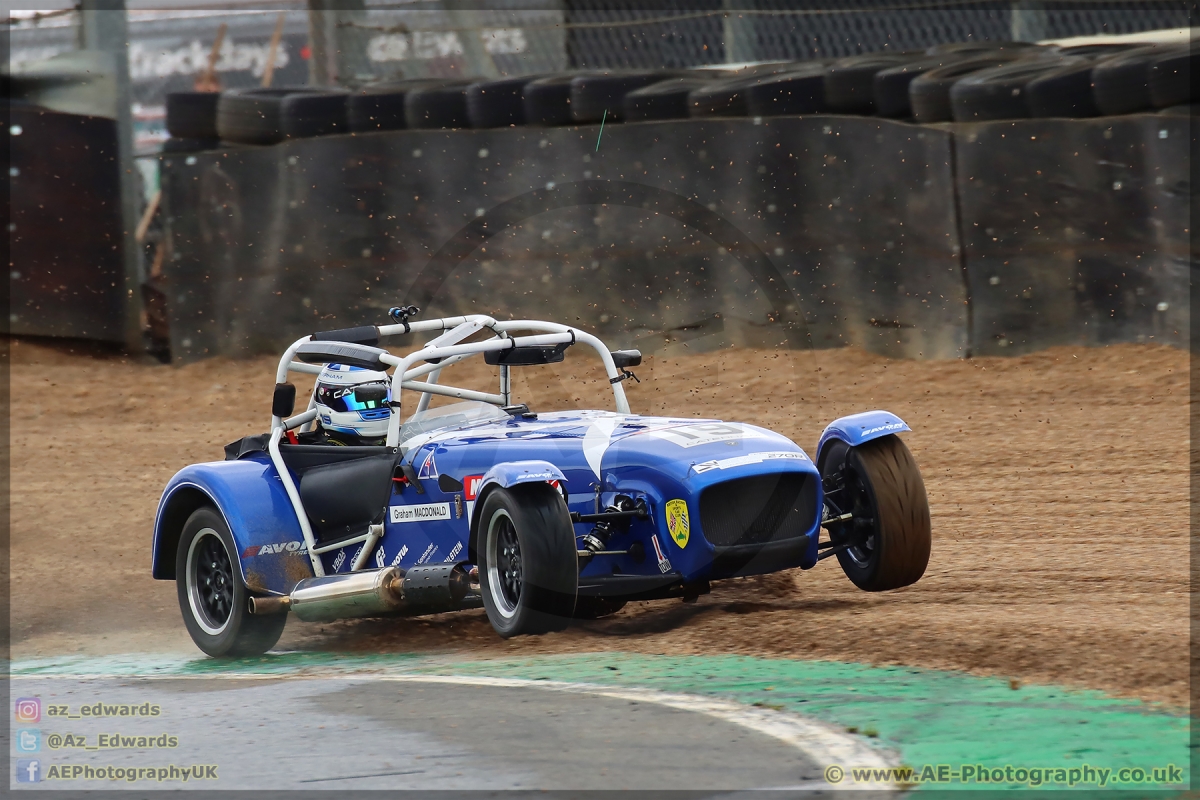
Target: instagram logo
[(29, 709)]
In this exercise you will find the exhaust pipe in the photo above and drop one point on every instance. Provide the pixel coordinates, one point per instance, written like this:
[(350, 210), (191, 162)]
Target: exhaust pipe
[(355, 594), (426, 589), (263, 606)]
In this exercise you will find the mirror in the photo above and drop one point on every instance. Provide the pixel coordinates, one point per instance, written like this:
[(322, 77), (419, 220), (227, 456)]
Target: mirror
[(284, 400), (528, 355), (624, 359)]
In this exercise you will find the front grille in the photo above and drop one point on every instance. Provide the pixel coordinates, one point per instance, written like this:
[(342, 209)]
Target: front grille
[(758, 509)]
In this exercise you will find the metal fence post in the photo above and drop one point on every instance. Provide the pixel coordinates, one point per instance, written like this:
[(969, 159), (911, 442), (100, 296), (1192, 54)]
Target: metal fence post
[(738, 30), (103, 27), (318, 43), (1029, 23), (338, 42), (478, 62)]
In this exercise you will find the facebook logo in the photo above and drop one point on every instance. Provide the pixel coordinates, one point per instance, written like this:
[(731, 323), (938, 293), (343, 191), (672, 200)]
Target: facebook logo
[(29, 770)]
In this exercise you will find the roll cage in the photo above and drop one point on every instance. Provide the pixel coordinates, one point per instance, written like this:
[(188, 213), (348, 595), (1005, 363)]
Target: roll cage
[(356, 346)]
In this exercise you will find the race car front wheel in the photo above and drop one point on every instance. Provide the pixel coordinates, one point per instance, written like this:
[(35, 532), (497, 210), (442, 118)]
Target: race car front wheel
[(529, 566), (212, 597), (888, 535)]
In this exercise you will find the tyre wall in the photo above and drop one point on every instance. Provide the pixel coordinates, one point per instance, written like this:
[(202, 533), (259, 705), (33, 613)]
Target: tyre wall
[(804, 231), (1075, 231), (65, 273)]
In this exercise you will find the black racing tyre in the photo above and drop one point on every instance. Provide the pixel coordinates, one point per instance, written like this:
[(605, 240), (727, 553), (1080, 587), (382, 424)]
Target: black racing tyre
[(587, 607), (929, 93), (1095, 51), (212, 597), (890, 86), (547, 100), (850, 82), (1065, 92), (974, 49), (999, 92), (727, 96), (663, 100), (380, 106), (600, 96), (799, 90), (438, 106), (528, 562), (879, 483), (1174, 80), (1121, 84), (319, 113), (499, 103), (192, 115), (720, 99), (251, 116)]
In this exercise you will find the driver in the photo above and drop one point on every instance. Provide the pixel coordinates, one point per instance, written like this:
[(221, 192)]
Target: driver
[(352, 404)]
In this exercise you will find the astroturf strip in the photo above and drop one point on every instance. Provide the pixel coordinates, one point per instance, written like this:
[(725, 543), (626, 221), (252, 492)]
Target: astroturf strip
[(929, 716)]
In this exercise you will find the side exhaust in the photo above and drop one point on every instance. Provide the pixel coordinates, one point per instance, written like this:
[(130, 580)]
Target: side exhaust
[(426, 589)]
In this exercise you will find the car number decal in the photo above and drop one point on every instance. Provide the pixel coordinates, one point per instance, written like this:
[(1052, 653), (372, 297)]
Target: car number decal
[(704, 433), (421, 513), (741, 461)]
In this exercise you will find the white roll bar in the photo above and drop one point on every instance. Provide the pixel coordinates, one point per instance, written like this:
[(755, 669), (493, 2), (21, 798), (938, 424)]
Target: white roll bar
[(447, 349)]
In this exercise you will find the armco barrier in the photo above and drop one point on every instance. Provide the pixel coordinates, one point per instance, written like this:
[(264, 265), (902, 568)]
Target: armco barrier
[(808, 231), (66, 275)]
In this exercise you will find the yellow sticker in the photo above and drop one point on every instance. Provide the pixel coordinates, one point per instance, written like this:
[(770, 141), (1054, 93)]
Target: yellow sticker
[(677, 522)]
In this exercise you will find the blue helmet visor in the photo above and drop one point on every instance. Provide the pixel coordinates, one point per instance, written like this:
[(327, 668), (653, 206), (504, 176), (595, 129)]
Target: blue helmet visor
[(346, 398)]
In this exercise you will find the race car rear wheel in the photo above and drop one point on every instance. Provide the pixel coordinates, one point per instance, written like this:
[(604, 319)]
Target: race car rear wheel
[(212, 597), (529, 566), (878, 482)]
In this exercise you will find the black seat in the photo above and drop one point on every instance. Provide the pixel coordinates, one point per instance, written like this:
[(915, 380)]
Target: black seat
[(344, 489)]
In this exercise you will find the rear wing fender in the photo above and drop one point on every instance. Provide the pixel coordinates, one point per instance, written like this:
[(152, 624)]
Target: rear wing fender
[(271, 554)]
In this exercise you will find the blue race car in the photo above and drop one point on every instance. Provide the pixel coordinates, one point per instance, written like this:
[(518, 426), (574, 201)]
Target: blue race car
[(537, 517)]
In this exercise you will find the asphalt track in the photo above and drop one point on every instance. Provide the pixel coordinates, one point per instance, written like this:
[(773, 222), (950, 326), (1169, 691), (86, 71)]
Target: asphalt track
[(424, 732), (715, 725)]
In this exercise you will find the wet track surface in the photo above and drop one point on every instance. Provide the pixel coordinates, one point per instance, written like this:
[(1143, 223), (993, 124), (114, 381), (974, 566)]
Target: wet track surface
[(364, 733)]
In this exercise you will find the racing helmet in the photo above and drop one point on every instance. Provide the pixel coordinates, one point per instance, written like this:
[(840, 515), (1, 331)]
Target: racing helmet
[(341, 411)]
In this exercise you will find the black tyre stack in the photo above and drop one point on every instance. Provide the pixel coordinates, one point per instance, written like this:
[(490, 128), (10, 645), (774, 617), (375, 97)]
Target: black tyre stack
[(800, 90), (1143, 78), (499, 103), (192, 121), (1000, 93), (547, 101), (266, 116), (440, 105), (929, 92), (850, 82), (601, 96), (666, 99), (380, 106), (961, 82)]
